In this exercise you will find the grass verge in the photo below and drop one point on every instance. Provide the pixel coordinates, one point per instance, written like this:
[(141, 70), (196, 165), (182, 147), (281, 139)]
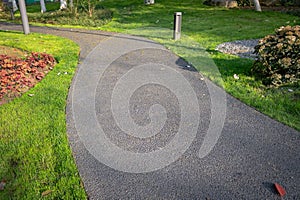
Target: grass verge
[(36, 161)]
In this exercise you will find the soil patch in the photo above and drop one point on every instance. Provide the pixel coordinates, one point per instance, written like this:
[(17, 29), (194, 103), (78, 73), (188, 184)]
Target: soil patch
[(12, 52)]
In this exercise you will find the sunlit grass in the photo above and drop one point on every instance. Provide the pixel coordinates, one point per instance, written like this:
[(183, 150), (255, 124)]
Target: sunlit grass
[(35, 155)]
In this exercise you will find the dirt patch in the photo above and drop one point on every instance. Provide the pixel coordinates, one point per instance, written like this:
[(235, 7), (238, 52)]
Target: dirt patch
[(12, 52)]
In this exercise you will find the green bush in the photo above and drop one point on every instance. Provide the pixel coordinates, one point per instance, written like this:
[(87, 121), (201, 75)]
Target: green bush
[(278, 60), (82, 18), (243, 2), (270, 2)]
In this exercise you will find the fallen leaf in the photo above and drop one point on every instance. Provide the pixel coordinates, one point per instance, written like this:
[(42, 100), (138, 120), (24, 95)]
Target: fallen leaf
[(38, 77), (281, 191), (45, 193)]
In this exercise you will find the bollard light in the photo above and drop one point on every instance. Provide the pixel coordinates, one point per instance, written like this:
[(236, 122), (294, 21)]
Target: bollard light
[(177, 25)]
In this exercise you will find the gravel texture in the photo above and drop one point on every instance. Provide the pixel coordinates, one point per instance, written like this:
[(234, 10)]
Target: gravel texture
[(242, 48)]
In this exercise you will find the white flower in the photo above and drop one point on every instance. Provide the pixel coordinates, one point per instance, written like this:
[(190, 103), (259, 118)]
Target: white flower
[(236, 77)]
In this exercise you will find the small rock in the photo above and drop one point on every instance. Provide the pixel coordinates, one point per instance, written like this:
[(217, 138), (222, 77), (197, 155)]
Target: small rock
[(290, 90)]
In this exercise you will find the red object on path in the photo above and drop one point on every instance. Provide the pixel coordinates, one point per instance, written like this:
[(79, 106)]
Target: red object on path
[(281, 191)]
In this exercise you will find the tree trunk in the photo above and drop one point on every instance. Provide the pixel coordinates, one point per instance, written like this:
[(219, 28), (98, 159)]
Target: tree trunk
[(71, 5), (43, 6), (63, 4), (90, 8), (257, 5)]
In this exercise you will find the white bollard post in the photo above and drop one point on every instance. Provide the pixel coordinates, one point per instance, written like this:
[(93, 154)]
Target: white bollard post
[(177, 25), (23, 12)]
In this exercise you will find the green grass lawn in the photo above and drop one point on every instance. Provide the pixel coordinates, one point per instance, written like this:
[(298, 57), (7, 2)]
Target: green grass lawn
[(35, 156)]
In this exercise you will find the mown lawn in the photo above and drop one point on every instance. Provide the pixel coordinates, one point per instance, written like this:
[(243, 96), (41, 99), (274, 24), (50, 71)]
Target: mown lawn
[(36, 161)]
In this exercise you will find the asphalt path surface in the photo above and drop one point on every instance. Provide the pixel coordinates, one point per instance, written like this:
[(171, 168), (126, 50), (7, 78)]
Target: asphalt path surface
[(138, 118)]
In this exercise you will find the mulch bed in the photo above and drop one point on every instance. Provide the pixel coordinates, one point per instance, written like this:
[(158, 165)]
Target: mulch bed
[(18, 75)]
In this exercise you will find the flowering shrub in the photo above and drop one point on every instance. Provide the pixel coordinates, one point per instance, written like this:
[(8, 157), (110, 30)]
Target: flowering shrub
[(17, 75), (279, 57)]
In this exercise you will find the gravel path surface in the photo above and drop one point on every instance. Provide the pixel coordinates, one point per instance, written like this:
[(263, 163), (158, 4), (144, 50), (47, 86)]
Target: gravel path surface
[(252, 153), (242, 48)]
